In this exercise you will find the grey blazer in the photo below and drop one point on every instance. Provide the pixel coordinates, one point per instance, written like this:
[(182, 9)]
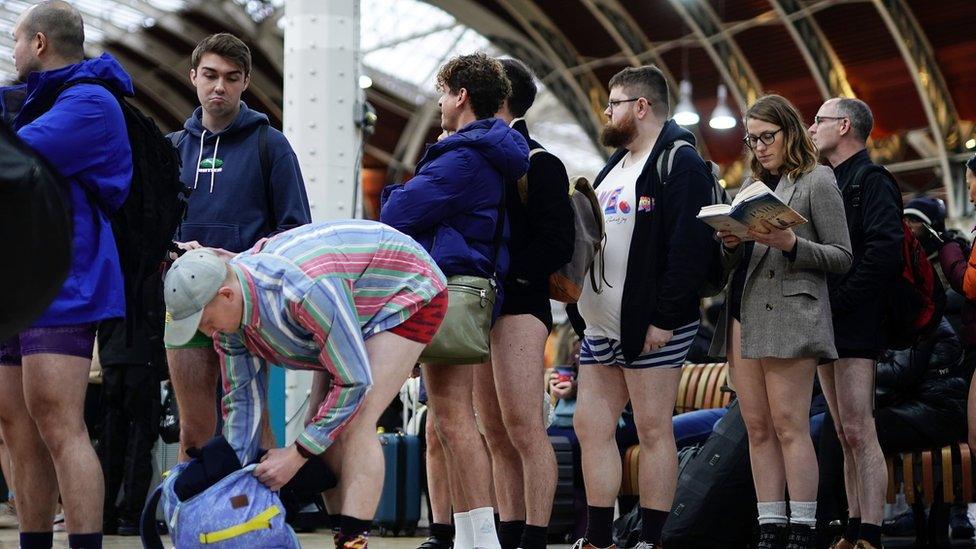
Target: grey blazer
[(785, 310)]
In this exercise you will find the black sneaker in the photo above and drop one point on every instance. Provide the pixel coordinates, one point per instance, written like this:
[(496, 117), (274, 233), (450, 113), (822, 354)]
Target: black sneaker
[(772, 536), (435, 543), (801, 537), (128, 528)]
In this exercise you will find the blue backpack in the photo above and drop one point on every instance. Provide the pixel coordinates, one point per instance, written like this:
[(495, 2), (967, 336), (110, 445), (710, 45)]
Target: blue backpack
[(238, 512)]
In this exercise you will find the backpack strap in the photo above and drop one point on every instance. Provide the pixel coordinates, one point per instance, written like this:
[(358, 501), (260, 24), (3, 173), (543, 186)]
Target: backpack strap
[(266, 172), (147, 525), (523, 182), (665, 160)]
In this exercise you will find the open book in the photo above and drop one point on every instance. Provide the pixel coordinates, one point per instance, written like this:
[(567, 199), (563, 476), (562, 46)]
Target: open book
[(751, 205)]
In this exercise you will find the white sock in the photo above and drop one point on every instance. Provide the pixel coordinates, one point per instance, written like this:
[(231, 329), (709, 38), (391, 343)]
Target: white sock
[(772, 512), (463, 533), (483, 526), (803, 512)]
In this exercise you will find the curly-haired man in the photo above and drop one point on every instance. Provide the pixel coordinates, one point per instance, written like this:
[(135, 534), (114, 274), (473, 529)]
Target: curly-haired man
[(453, 207)]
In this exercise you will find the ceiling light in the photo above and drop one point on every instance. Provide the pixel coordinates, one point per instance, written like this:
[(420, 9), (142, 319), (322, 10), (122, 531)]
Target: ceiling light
[(685, 113), (722, 118), (971, 144), (365, 81)]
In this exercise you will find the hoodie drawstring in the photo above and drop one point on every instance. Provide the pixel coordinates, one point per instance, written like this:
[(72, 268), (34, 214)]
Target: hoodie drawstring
[(213, 165), (196, 176)]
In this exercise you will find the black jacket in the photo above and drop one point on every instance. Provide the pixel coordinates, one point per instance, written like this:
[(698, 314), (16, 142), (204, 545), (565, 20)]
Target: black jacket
[(542, 232), (923, 385), (666, 266), (856, 298)]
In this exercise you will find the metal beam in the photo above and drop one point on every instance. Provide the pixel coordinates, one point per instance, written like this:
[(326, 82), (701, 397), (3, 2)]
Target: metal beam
[(541, 58), (932, 90), (731, 63), (413, 36), (412, 138), (825, 66), (630, 38)]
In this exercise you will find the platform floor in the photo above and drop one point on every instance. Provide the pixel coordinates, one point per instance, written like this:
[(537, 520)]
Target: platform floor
[(323, 540)]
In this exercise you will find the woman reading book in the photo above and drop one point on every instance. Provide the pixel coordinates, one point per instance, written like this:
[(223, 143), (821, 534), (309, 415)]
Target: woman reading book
[(777, 325)]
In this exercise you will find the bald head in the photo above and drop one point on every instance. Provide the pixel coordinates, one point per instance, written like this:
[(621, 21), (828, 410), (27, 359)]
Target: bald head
[(48, 35)]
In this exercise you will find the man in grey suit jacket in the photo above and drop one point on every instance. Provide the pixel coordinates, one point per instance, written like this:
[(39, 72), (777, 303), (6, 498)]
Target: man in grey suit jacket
[(840, 131)]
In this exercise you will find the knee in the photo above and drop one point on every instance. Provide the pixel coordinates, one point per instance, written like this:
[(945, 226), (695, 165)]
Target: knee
[(524, 432), (790, 428), (592, 428), (760, 429), (654, 433), (56, 429), (496, 435), (856, 435)]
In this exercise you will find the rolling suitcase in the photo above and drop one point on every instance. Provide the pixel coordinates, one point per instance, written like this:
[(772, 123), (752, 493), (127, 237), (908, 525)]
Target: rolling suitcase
[(399, 508)]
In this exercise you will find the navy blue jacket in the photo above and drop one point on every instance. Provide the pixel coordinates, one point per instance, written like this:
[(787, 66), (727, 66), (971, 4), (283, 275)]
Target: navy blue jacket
[(666, 266), (451, 205), (230, 203), (84, 137)]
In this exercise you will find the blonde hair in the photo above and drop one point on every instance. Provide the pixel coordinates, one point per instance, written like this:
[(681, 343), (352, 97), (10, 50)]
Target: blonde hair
[(800, 152)]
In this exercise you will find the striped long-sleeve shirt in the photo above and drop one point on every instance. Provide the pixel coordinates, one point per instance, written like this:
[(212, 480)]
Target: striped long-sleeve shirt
[(312, 296)]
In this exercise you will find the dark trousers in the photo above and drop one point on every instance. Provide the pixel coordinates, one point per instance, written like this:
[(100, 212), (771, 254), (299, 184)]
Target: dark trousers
[(130, 428)]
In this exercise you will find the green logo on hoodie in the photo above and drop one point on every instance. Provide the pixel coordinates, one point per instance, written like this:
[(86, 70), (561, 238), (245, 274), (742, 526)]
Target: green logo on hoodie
[(211, 163)]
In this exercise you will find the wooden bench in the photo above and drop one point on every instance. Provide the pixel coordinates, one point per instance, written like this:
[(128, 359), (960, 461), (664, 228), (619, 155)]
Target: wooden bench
[(700, 388), (948, 472)]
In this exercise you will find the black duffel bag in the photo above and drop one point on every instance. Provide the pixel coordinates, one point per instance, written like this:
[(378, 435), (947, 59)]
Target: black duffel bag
[(35, 220)]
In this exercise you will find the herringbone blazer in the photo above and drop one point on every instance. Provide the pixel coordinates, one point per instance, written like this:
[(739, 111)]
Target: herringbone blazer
[(785, 311)]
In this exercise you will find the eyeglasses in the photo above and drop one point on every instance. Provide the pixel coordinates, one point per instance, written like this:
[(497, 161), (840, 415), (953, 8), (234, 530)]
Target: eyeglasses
[(819, 119), (768, 138), (614, 102)]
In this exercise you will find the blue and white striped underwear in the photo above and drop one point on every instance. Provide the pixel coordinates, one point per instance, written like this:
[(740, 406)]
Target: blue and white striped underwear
[(608, 352)]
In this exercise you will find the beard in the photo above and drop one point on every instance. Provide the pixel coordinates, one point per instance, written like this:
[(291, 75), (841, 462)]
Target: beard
[(620, 134)]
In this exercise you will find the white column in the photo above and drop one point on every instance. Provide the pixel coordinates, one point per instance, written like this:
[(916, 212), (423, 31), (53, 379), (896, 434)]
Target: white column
[(322, 99)]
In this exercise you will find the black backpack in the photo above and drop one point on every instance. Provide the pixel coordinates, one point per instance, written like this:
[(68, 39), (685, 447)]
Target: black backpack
[(35, 215), (717, 276), (915, 301), (145, 224)]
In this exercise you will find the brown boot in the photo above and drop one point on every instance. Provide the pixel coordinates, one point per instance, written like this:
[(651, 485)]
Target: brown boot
[(861, 544), (582, 543), (842, 543)]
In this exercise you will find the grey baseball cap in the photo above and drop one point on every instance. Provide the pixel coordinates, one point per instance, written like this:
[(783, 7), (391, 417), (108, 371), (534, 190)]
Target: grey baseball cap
[(190, 284)]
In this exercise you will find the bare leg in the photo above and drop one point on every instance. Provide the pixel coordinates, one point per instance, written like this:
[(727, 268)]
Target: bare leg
[(194, 374), (653, 393), (35, 480), (602, 396), (828, 383), (768, 470), (358, 449), (854, 383), (438, 476), (58, 409), (789, 385), (449, 389), (506, 465)]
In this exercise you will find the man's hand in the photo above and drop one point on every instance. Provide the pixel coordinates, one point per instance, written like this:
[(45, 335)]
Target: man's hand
[(774, 237), (278, 466), (655, 339), (185, 246)]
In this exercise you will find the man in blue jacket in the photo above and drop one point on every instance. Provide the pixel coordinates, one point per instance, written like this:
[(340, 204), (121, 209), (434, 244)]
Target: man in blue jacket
[(245, 184), (44, 376), (454, 208)]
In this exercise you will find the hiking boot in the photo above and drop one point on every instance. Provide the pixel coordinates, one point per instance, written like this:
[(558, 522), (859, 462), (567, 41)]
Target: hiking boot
[(434, 543), (772, 536), (355, 542), (861, 544), (801, 537), (842, 543), (583, 544)]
